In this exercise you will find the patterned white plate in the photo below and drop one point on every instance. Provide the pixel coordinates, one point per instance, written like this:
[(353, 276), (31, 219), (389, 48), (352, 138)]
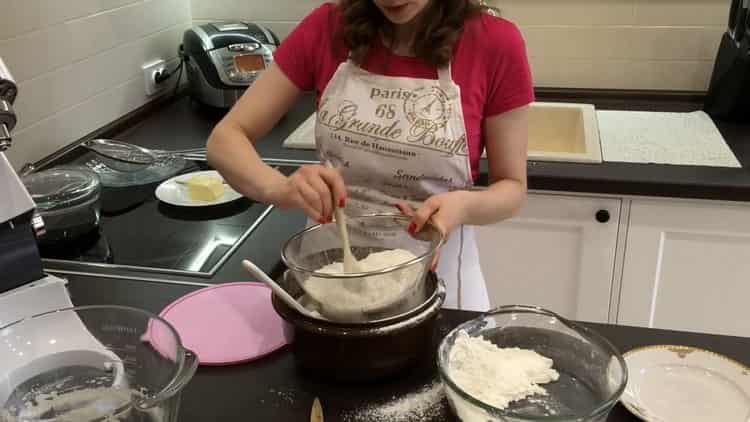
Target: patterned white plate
[(669, 383)]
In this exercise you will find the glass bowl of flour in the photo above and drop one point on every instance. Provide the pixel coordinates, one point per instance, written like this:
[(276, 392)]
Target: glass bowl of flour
[(523, 363), (392, 265)]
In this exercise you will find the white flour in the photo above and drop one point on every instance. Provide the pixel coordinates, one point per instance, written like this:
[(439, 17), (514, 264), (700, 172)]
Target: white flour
[(421, 406), (498, 376), (369, 293)]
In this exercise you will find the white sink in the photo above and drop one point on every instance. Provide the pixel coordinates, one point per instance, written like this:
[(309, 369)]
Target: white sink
[(564, 132), (567, 132), (557, 132)]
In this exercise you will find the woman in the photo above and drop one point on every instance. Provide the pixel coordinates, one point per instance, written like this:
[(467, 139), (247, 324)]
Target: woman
[(409, 93)]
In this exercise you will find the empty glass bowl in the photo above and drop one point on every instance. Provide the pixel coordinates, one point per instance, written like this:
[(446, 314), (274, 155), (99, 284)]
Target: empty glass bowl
[(318, 246), (92, 363), (593, 374)]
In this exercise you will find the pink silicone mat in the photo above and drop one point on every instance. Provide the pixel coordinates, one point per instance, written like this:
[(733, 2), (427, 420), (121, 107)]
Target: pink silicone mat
[(226, 324)]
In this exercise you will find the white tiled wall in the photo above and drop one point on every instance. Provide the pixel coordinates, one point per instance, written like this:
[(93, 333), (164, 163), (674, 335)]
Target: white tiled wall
[(78, 65), (626, 44)]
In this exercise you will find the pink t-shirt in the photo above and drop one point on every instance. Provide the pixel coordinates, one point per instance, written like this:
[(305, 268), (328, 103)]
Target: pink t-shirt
[(489, 64)]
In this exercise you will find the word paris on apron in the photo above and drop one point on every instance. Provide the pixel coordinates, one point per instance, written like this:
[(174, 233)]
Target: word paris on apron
[(400, 139)]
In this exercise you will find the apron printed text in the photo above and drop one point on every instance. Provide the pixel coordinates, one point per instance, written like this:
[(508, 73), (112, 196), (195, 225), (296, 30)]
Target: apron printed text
[(399, 140)]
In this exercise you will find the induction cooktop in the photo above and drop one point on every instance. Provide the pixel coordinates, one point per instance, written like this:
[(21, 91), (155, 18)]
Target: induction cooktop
[(151, 236)]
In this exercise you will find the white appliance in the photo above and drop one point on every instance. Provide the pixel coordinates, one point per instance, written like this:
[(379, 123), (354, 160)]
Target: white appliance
[(24, 289)]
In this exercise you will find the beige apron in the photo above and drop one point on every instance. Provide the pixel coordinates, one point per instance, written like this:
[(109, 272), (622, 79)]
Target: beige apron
[(399, 139)]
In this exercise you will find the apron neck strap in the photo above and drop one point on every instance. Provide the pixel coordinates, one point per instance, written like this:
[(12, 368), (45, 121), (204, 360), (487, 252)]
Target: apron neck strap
[(444, 74)]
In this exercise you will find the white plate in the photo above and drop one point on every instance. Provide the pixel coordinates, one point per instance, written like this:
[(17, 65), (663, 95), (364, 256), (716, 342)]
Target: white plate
[(174, 193), (684, 384)]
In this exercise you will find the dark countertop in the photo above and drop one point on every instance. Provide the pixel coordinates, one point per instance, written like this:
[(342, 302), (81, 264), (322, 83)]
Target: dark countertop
[(184, 124), (273, 389), (181, 123), (699, 182)]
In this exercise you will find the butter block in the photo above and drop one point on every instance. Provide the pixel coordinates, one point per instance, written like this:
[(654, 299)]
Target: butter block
[(205, 188)]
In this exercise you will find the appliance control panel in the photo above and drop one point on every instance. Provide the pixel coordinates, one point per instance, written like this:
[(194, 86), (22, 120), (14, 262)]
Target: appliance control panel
[(241, 64)]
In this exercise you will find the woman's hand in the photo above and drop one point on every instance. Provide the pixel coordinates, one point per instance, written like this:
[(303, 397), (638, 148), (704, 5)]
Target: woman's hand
[(445, 210), (314, 188), (506, 140)]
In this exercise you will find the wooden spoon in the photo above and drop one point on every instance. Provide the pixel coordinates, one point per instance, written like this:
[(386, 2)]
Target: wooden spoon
[(350, 263)]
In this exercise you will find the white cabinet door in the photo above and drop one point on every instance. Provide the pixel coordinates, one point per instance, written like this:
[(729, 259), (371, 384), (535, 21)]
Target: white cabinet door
[(555, 254), (687, 267)]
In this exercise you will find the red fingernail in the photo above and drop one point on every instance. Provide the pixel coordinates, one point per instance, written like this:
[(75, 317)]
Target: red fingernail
[(342, 203), (412, 228), (321, 220)]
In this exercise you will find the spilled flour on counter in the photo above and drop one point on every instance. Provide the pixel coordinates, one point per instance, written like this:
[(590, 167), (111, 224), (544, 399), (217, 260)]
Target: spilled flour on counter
[(287, 396), (498, 376), (421, 406), (372, 292)]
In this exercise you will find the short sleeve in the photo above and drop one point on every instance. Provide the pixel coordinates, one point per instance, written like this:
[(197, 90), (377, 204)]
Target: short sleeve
[(298, 54), (511, 84)]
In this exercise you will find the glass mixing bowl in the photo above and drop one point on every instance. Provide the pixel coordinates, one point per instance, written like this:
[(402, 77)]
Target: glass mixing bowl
[(318, 246), (593, 373), (93, 363)]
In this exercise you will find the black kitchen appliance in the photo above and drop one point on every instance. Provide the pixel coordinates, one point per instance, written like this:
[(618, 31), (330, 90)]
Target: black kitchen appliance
[(223, 59), (728, 96)]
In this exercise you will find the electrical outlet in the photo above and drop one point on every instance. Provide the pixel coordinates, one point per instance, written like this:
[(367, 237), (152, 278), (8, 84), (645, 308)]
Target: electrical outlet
[(149, 72)]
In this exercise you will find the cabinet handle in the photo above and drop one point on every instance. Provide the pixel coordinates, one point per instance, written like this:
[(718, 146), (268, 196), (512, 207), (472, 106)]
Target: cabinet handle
[(602, 216)]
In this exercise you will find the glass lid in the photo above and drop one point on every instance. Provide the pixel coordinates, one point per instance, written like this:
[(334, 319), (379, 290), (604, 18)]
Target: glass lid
[(60, 188)]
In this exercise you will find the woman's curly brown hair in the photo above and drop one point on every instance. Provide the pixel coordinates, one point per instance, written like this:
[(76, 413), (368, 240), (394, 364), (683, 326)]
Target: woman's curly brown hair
[(440, 25)]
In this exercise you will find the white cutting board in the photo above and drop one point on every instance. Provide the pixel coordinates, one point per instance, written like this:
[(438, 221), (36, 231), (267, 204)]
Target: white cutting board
[(304, 136), (663, 138)]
